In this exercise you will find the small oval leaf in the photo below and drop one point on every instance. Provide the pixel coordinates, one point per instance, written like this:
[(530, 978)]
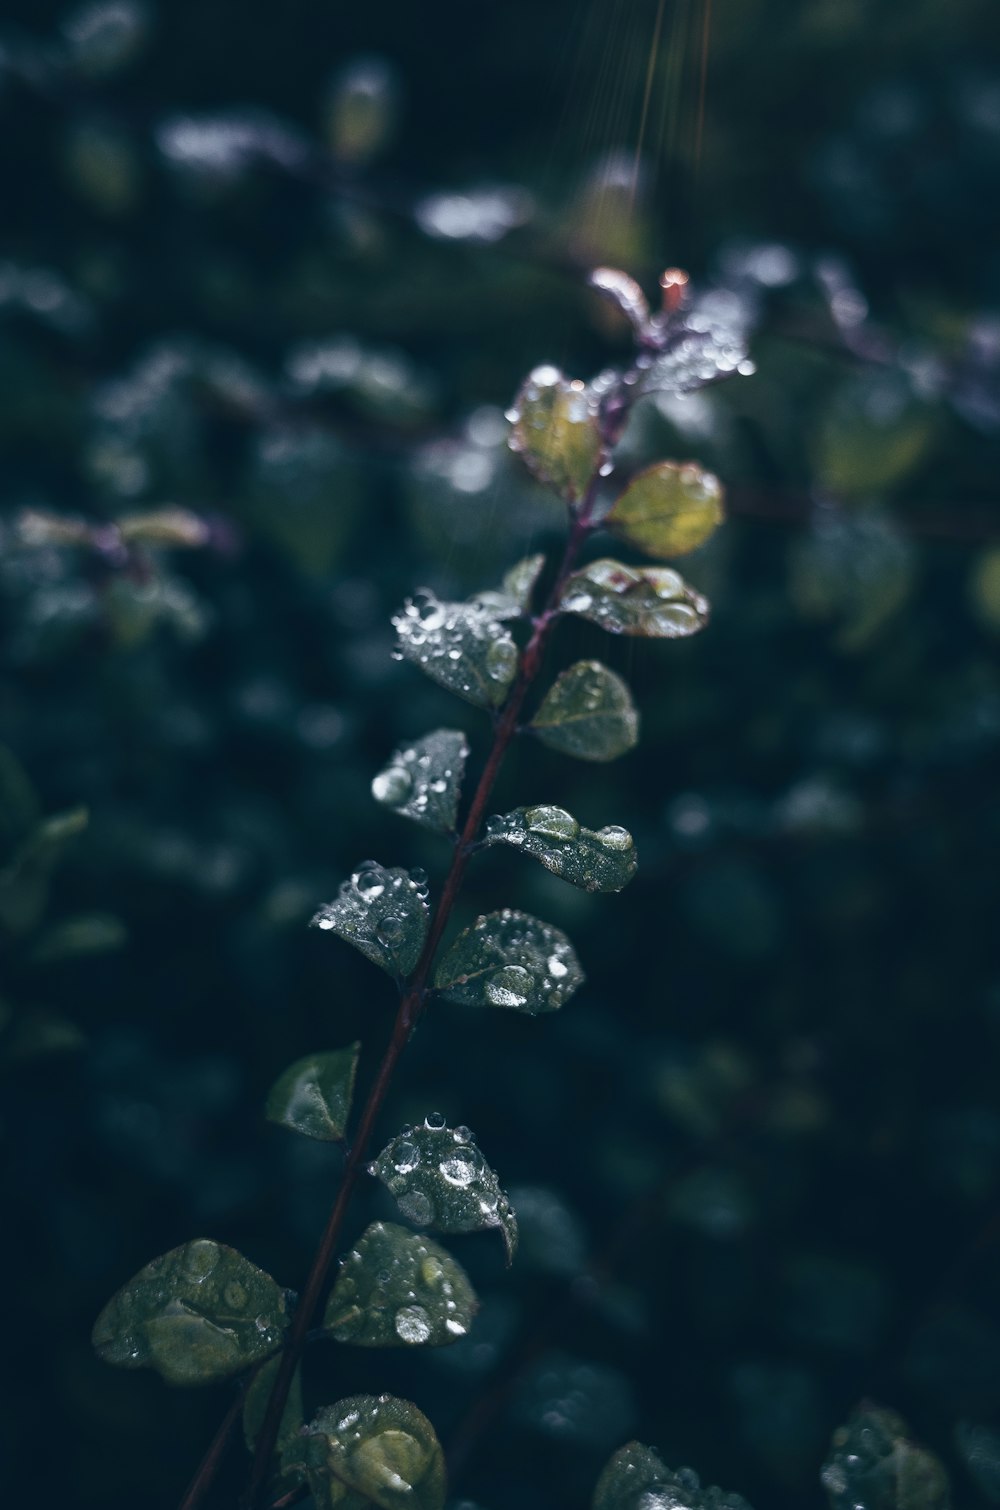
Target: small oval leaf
[(604, 860), (556, 431), (874, 1465), (652, 602), (374, 1450), (520, 582), (669, 509), (588, 712), (462, 646), (384, 913), (423, 781), (313, 1096), (441, 1180), (622, 291), (508, 959), (636, 1478), (255, 1403), (199, 1313), (399, 1289)]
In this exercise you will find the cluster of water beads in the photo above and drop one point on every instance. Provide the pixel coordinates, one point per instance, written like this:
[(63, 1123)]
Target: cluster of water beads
[(200, 1312), (440, 1179), (383, 912), (423, 781), (463, 646), (509, 959), (637, 1479), (399, 1287), (601, 860), (650, 601)]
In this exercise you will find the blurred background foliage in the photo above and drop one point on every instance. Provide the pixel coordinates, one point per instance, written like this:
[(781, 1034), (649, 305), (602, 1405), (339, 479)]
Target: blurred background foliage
[(268, 277)]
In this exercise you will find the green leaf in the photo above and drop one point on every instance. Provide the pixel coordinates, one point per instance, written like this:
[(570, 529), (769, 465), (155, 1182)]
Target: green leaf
[(601, 861), (556, 431), (520, 582), (462, 646), (384, 913), (313, 1096), (441, 1180), (165, 527), (589, 713), (637, 1479), (399, 1289), (508, 959), (198, 1313), (374, 1450), (24, 882), (873, 1465), (423, 781), (667, 510), (255, 1403), (652, 602), (88, 933)]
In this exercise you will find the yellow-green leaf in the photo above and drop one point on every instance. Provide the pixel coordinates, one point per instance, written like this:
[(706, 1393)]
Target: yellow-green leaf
[(669, 509)]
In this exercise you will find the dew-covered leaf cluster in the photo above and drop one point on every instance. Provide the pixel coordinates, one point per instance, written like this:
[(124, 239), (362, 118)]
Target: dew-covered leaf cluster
[(383, 912), (441, 1180), (601, 860), (508, 959), (397, 1288), (199, 1313), (637, 1479)]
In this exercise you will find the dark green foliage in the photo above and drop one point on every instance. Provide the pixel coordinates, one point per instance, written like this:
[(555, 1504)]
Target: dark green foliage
[(441, 1180), (461, 645), (423, 780), (589, 713), (255, 1404), (384, 913), (508, 959), (197, 1314), (313, 1096), (398, 1289), (374, 1450)]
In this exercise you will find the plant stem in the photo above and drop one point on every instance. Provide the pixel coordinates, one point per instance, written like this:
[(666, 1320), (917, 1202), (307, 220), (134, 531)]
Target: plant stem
[(411, 1007), (212, 1461)]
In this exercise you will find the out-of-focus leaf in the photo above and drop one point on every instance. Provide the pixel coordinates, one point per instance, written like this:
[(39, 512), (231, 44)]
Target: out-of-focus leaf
[(556, 431), (38, 1033), (855, 569), (24, 881), (441, 1180), (19, 806), (180, 528), (622, 291), (423, 780), (463, 646), (90, 933), (984, 587), (667, 510), (255, 1406), (979, 1448), (588, 712), (313, 1096), (361, 110), (636, 1478), (874, 1465), (652, 602), (198, 1313), (399, 1289), (508, 959), (374, 1450), (604, 860), (384, 913), (873, 433)]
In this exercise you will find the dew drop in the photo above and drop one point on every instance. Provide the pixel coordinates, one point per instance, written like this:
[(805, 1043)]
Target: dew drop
[(412, 1324), (434, 1121), (509, 987), (552, 822), (460, 1168), (405, 1156), (619, 840), (392, 786), (416, 1206)]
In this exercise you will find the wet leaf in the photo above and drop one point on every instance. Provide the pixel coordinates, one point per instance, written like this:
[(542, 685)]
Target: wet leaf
[(374, 1450), (313, 1096), (441, 1180), (652, 602), (556, 431), (508, 959), (667, 510), (622, 291), (589, 713), (636, 1478), (462, 646), (255, 1406), (873, 1465), (399, 1289), (384, 913), (198, 1313), (601, 861), (423, 780), (520, 582)]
